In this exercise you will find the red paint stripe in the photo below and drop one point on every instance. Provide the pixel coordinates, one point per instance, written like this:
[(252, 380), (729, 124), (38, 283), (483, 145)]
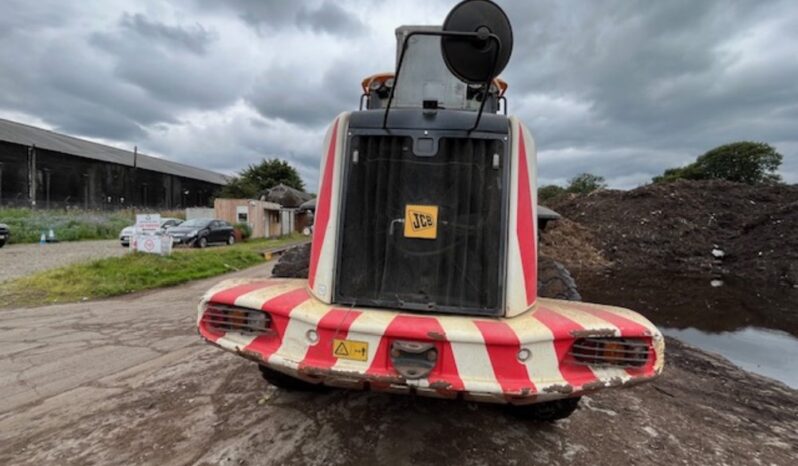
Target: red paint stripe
[(229, 297), (323, 206), (628, 328), (280, 308), (562, 328), (283, 304), (425, 329), (334, 324), (503, 345), (525, 227)]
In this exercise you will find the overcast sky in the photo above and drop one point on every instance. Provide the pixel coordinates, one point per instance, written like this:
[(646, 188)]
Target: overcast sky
[(622, 89)]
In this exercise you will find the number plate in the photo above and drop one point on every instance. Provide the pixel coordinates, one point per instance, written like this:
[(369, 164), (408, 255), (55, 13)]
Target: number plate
[(350, 349)]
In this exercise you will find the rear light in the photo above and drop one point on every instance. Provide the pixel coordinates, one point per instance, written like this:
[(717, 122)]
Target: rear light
[(413, 359), (224, 318), (618, 352)]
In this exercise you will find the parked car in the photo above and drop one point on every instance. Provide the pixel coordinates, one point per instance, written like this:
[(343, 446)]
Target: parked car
[(128, 232), (201, 232), (5, 234)]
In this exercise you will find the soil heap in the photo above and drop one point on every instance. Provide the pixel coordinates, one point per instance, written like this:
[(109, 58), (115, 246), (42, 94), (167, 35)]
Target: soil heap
[(715, 227)]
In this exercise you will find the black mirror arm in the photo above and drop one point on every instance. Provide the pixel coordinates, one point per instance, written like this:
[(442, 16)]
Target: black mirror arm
[(476, 35)]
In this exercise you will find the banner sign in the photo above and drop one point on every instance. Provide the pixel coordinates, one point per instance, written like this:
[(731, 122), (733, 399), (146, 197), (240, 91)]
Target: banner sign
[(151, 244), (148, 223)]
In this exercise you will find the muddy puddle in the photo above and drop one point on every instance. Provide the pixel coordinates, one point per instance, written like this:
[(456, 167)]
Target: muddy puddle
[(753, 325), (771, 353)]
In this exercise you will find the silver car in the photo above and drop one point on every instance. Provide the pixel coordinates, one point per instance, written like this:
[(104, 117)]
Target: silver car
[(128, 232)]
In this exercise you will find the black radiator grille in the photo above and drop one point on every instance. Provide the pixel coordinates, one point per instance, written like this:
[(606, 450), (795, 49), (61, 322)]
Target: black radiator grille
[(459, 271)]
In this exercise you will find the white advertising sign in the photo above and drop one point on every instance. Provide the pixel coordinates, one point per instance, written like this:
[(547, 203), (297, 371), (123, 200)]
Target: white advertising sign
[(148, 223), (151, 244)]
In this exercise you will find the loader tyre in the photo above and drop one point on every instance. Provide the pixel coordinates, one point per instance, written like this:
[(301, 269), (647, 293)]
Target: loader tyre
[(286, 382), (293, 263), (554, 281)]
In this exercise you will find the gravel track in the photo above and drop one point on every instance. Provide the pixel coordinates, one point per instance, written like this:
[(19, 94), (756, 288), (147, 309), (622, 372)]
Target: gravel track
[(17, 260)]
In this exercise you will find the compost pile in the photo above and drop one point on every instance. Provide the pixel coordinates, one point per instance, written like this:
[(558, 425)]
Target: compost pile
[(718, 228)]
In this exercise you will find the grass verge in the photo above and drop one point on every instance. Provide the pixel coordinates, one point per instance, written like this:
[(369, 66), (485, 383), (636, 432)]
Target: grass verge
[(133, 272)]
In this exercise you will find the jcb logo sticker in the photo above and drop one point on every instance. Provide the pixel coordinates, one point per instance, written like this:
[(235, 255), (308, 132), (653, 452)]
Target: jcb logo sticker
[(421, 221)]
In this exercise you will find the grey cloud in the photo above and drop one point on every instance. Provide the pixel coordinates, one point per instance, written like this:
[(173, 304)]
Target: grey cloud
[(330, 18), (163, 62), (620, 88), (666, 75), (194, 39), (321, 17), (313, 100)]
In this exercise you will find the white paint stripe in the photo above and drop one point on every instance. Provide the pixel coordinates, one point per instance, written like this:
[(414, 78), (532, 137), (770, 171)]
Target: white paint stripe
[(234, 341), (323, 282), (543, 366), (257, 298), (473, 362), (585, 319), (295, 342), (368, 327)]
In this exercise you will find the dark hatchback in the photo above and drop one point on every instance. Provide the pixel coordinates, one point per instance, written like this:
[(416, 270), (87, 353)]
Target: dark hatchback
[(200, 232), (5, 234)]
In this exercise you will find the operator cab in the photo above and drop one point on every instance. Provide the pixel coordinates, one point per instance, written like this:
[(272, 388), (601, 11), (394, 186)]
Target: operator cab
[(426, 82)]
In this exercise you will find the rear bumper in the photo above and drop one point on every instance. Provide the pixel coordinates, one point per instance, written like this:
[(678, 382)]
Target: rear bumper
[(479, 359)]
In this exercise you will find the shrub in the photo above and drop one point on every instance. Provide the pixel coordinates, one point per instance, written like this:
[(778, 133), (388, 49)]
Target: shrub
[(585, 183), (244, 230), (549, 192)]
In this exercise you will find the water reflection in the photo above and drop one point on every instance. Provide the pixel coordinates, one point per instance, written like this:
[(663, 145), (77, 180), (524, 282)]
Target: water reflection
[(677, 301), (754, 325), (771, 353)]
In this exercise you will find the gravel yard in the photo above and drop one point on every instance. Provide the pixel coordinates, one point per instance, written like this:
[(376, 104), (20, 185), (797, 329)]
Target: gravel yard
[(17, 260), (128, 381)]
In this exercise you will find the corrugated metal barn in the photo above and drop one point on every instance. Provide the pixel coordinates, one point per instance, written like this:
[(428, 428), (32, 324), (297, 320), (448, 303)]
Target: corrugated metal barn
[(44, 169)]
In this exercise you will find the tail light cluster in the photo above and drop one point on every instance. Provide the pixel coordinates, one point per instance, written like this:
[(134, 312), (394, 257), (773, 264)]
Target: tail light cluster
[(224, 318), (617, 352)]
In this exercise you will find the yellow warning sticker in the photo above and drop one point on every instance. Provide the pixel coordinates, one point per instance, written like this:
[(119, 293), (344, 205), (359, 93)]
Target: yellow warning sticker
[(421, 221), (351, 349)]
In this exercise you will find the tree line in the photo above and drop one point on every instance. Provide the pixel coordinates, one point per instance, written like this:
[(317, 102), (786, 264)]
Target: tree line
[(742, 162)]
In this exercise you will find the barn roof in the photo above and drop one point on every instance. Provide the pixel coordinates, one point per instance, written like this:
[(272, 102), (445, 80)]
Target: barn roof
[(20, 133)]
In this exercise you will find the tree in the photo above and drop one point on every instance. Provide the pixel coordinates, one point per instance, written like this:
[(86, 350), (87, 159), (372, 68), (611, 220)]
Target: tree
[(688, 172), (742, 162), (549, 192), (585, 183), (257, 178)]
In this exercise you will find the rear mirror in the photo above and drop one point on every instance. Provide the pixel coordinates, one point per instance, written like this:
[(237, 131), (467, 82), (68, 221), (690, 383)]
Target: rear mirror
[(476, 60)]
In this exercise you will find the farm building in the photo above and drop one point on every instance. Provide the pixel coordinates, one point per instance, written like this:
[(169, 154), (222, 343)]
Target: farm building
[(43, 169), (267, 219), (290, 199)]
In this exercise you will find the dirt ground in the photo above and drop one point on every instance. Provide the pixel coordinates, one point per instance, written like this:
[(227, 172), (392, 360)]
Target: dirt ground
[(127, 381), (708, 227)]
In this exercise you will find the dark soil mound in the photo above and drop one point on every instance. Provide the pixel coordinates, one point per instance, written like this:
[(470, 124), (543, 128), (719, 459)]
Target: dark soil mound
[(717, 227), (572, 244), (768, 246)]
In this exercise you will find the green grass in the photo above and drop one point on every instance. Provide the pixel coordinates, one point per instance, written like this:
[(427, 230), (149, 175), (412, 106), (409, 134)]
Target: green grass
[(133, 272), (27, 225)]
